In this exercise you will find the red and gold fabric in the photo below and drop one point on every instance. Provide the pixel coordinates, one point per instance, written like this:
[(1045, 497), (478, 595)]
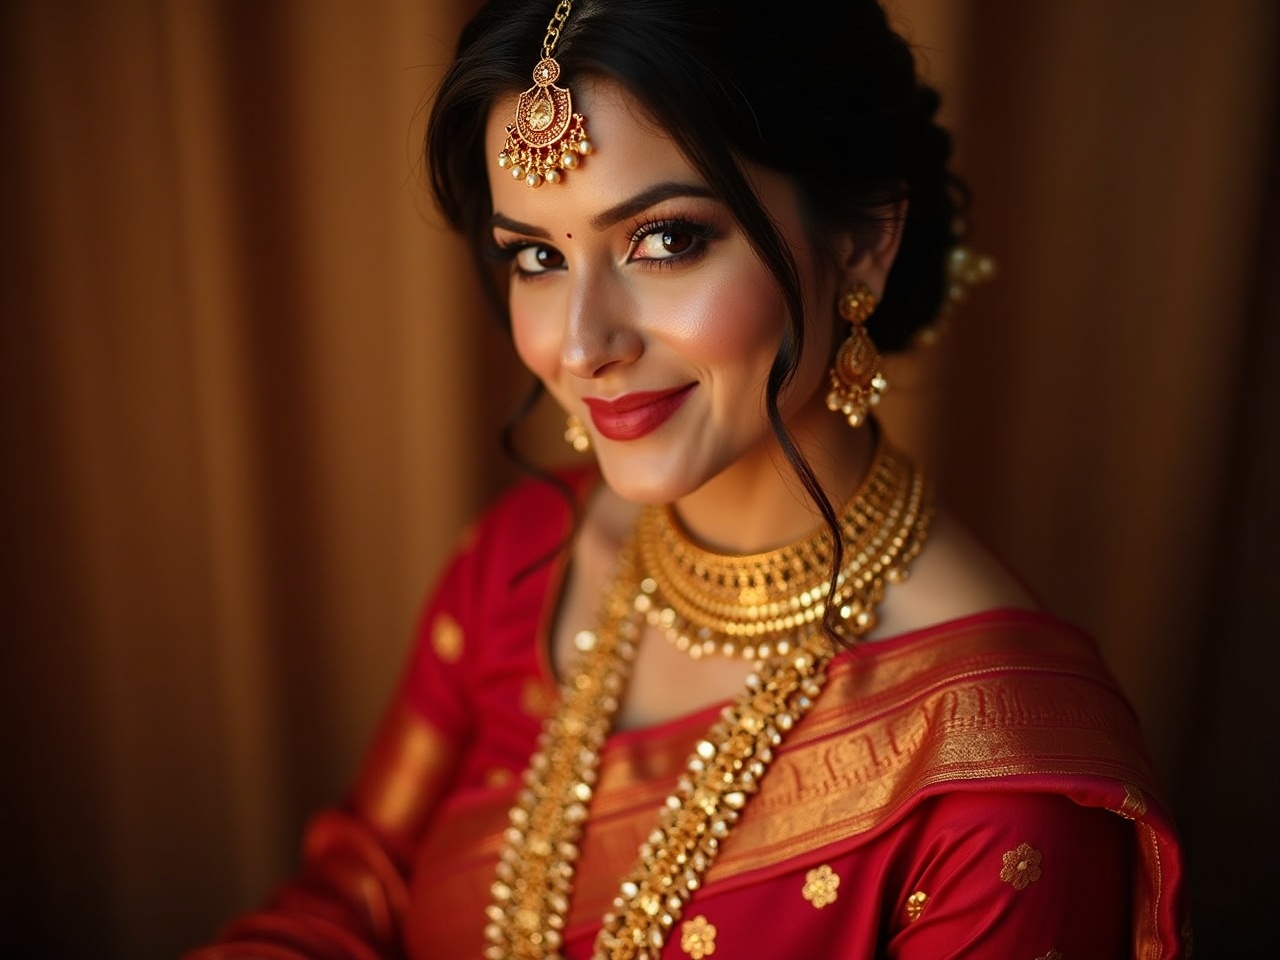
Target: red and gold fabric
[(976, 789)]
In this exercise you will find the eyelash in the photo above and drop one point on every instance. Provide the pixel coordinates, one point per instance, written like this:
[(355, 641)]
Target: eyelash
[(700, 232), (501, 252), (506, 252)]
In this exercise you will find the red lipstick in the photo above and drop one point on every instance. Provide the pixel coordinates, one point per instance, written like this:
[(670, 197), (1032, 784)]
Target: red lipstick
[(634, 415)]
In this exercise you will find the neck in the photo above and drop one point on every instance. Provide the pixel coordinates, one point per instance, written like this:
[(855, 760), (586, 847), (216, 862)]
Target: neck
[(759, 503)]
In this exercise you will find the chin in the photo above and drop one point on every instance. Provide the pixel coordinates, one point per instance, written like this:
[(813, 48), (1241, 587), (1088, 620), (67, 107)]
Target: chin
[(647, 483)]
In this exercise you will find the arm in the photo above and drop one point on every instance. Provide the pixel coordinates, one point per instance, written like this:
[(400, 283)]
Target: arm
[(1015, 875), (350, 892), (347, 898)]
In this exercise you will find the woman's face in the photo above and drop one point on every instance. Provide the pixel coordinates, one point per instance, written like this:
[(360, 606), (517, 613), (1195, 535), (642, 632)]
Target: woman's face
[(639, 303)]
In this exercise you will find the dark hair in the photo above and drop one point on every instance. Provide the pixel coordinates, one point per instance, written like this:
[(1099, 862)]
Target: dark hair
[(826, 96)]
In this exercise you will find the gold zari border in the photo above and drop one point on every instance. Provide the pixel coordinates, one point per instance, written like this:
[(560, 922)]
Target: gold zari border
[(982, 700)]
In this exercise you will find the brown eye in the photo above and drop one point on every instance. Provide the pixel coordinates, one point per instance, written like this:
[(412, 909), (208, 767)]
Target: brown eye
[(675, 242), (669, 241), (539, 259)]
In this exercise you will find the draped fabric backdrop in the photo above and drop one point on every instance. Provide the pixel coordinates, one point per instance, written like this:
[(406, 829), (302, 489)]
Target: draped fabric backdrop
[(251, 398)]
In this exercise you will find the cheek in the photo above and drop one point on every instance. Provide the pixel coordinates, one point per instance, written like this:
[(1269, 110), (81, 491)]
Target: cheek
[(535, 341), (729, 321)]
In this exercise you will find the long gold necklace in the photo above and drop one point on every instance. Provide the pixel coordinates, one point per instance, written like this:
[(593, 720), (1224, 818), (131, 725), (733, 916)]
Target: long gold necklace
[(884, 528)]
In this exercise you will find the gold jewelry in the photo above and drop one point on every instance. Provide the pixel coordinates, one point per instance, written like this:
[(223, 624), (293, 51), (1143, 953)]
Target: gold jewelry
[(547, 136), (536, 865), (754, 606), (966, 269), (534, 876), (575, 434), (857, 380), (858, 304), (720, 777)]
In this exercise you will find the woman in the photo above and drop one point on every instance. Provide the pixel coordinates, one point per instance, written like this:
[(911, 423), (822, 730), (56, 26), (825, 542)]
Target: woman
[(769, 740)]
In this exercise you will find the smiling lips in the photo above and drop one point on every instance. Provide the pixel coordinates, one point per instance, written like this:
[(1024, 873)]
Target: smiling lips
[(634, 415)]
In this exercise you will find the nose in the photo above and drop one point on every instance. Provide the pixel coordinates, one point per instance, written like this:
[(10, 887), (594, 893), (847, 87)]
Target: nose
[(599, 334)]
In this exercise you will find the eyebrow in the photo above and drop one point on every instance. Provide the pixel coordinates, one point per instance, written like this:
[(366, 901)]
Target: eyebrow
[(618, 212)]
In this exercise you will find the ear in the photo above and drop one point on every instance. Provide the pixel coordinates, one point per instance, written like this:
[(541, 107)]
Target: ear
[(865, 256)]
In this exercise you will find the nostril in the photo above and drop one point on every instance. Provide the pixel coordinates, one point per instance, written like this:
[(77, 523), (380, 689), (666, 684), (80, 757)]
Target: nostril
[(590, 355)]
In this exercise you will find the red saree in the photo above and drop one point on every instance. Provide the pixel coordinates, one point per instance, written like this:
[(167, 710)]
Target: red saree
[(976, 789)]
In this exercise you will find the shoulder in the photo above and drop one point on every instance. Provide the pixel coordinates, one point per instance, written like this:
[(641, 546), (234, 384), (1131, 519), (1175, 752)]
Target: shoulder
[(528, 521), (955, 576), (491, 590), (976, 703), (996, 820), (1010, 839), (502, 560), (536, 502), (1011, 874)]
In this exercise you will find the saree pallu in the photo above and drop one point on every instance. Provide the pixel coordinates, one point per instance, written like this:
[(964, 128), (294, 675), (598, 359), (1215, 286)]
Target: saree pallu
[(969, 790), (974, 789)]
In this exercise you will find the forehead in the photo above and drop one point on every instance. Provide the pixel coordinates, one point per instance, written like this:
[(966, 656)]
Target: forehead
[(631, 153)]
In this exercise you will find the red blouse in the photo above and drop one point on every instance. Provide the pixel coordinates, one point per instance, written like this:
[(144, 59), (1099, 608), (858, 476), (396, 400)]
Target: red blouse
[(975, 789)]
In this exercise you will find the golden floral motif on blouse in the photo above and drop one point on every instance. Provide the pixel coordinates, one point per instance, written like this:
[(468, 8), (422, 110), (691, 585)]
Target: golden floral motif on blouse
[(537, 699), (447, 638), (698, 937), (498, 777), (915, 905), (1021, 866), (1051, 955), (820, 886)]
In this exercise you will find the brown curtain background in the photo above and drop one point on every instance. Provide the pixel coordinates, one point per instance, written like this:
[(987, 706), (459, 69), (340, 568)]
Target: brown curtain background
[(250, 398)]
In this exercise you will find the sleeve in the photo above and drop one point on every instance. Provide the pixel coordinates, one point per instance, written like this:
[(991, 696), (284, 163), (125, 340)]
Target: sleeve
[(1020, 876), (348, 897)]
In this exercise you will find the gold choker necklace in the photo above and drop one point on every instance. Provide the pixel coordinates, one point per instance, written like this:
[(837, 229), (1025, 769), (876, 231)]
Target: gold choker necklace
[(534, 876), (755, 605)]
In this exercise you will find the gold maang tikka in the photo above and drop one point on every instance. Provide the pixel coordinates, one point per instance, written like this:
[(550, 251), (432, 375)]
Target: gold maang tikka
[(547, 136)]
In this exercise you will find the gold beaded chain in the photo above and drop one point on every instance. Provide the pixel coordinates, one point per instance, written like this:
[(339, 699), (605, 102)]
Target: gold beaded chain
[(720, 777), (536, 865), (534, 877)]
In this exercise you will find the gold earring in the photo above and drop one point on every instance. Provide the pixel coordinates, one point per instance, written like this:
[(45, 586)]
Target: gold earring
[(575, 434), (857, 380)]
